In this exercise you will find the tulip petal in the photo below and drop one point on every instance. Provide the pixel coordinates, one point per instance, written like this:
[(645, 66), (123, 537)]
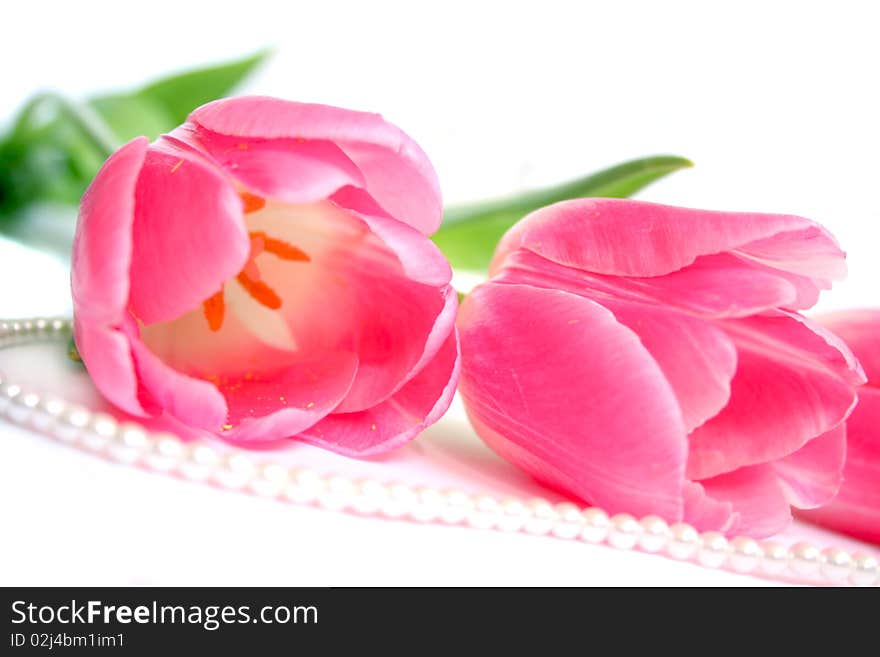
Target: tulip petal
[(782, 396), (102, 246), (420, 258), (856, 509), (811, 476), (759, 505), (556, 385), (714, 286), (632, 238), (861, 331), (99, 280), (107, 355), (183, 207), (277, 405), (397, 172), (698, 359), (705, 513), (295, 171), (354, 294), (397, 420), (194, 402)]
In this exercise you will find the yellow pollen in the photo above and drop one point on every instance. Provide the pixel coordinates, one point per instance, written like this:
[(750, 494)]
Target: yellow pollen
[(176, 166), (226, 427), (372, 427)]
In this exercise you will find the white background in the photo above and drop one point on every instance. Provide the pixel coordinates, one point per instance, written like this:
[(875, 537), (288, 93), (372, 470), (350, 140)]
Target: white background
[(777, 103)]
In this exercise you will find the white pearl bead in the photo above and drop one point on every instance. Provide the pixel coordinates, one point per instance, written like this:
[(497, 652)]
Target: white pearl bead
[(8, 392), (235, 471), (864, 570), (46, 413), (541, 517), (401, 501), (100, 431), (745, 554), (429, 504), (512, 515), (655, 534), (305, 487), (338, 493), (270, 480), (71, 423), (805, 559), (21, 407), (684, 541), (714, 549), (485, 513), (371, 497), (835, 564), (624, 531), (569, 521), (459, 506), (165, 452), (774, 558), (131, 444), (199, 462), (596, 525)]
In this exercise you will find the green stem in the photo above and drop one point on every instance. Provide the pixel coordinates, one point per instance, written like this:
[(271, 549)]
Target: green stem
[(87, 122)]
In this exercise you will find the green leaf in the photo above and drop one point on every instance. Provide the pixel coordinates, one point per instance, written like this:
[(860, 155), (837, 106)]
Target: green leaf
[(469, 234), (180, 94), (129, 116)]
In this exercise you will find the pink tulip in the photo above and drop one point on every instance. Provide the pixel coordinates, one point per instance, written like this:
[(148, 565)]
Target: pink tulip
[(263, 273), (856, 509), (651, 360)]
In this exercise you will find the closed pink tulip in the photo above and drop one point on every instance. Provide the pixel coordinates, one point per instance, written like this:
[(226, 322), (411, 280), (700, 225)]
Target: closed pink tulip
[(856, 509), (263, 272), (651, 360)]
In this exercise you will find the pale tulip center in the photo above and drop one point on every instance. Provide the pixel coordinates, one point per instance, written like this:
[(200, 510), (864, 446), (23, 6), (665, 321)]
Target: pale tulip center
[(250, 279)]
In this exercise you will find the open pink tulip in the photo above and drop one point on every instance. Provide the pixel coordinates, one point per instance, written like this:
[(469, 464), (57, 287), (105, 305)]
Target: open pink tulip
[(263, 273), (651, 360), (856, 509)]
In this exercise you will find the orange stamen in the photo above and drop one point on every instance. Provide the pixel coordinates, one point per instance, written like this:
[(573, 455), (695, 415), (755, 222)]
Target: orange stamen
[(215, 308), (280, 248), (252, 202), (261, 292)]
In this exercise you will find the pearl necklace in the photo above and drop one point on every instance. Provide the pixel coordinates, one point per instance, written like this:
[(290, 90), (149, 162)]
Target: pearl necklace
[(133, 444)]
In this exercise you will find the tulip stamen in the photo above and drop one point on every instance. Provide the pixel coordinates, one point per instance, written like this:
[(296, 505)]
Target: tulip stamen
[(251, 202), (262, 293), (280, 248), (215, 308)]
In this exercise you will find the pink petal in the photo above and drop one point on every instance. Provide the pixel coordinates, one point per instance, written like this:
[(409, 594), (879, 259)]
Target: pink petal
[(811, 476), (783, 395), (107, 355), (633, 238), (697, 359), (189, 231), (705, 513), (397, 172), (99, 280), (102, 245), (714, 286), (856, 509), (759, 505), (277, 405), (420, 258), (416, 406), (194, 402), (861, 331), (553, 383), (291, 170)]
